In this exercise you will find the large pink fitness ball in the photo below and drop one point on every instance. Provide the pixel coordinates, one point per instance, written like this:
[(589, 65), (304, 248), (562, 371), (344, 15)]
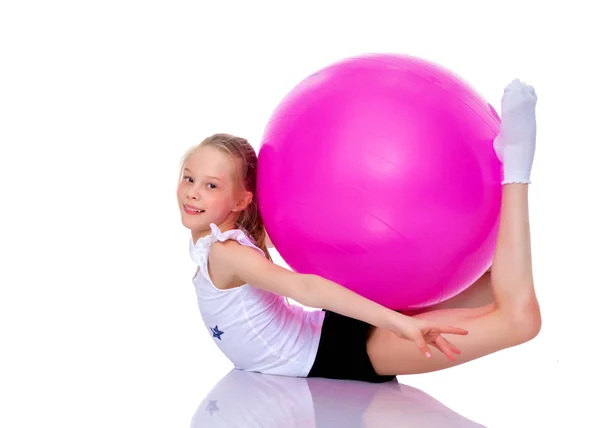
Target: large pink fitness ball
[(379, 173)]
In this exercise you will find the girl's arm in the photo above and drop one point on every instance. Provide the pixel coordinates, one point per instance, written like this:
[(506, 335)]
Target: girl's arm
[(249, 266)]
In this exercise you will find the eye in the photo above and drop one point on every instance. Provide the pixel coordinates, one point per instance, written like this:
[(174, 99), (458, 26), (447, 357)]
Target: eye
[(211, 186), (188, 178)]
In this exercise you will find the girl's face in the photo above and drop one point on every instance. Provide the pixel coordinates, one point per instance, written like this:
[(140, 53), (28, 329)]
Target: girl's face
[(209, 192)]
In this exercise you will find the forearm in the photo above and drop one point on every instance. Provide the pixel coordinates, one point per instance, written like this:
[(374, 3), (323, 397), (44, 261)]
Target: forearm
[(322, 293)]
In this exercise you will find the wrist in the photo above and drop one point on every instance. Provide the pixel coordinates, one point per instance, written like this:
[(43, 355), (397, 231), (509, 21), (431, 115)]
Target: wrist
[(395, 321)]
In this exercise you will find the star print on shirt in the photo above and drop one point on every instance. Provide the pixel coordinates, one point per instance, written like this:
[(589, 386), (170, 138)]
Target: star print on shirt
[(212, 407), (216, 332)]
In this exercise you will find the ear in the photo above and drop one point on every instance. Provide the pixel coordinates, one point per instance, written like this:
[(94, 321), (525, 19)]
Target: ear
[(244, 200)]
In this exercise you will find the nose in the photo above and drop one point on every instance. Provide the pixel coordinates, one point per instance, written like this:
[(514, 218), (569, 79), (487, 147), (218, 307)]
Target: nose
[(193, 193)]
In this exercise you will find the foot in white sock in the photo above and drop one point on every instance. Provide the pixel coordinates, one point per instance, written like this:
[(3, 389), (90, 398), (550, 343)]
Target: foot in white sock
[(515, 144)]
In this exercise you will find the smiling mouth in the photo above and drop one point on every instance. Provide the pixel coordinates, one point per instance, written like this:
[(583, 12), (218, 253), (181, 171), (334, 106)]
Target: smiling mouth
[(191, 210)]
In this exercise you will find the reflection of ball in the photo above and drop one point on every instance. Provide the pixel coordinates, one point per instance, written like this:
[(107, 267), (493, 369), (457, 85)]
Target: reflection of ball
[(379, 173)]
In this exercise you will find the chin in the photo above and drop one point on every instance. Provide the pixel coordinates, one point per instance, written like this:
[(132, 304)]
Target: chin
[(191, 224), (194, 224), (188, 222)]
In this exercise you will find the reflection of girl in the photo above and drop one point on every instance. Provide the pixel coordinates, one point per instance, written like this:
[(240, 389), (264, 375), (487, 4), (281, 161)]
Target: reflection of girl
[(248, 400), (239, 289)]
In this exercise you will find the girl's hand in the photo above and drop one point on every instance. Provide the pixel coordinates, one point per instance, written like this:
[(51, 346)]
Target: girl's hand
[(426, 333)]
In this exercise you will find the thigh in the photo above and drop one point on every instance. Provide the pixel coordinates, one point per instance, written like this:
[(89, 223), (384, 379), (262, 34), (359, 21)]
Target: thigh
[(490, 330)]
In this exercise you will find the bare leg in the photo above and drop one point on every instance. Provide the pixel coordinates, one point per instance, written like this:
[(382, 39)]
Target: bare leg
[(477, 295), (512, 319)]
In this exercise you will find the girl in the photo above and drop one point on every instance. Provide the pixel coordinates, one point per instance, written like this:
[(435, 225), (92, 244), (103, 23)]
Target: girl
[(240, 290)]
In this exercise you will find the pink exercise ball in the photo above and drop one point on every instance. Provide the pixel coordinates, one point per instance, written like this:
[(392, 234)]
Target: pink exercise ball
[(378, 172)]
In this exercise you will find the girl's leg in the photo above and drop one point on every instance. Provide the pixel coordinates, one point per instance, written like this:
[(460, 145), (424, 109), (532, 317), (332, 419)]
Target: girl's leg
[(514, 317), (477, 295)]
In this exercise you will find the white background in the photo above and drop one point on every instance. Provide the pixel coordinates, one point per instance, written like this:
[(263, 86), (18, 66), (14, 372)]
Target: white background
[(98, 102)]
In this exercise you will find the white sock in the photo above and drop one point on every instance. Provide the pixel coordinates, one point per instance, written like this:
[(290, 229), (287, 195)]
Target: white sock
[(515, 144)]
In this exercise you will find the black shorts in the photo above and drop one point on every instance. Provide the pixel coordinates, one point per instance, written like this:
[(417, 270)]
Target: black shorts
[(342, 352)]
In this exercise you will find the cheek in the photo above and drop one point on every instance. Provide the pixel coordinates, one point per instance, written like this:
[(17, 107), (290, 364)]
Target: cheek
[(225, 202), (180, 192)]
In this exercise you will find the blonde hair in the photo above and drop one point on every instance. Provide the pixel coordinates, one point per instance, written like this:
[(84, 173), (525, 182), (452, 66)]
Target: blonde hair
[(239, 149)]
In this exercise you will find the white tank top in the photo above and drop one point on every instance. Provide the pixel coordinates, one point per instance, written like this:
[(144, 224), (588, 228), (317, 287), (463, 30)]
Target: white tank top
[(256, 329)]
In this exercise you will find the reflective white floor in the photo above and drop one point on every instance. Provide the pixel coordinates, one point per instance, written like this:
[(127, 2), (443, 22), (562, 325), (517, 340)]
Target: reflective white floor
[(244, 399), (129, 382), (519, 387)]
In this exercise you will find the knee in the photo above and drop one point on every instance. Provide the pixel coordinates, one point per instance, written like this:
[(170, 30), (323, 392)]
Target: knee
[(526, 322)]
